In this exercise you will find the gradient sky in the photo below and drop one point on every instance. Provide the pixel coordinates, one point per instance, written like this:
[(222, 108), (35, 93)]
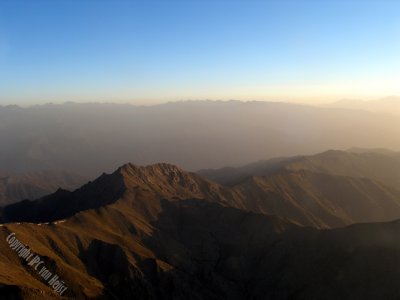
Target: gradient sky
[(156, 51)]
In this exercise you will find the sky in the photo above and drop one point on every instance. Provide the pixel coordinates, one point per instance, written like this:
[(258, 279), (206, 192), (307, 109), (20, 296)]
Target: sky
[(147, 52)]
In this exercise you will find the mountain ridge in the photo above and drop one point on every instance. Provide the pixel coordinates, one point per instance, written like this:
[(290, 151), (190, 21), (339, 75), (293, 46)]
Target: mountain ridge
[(308, 196), (380, 166), (159, 232), (190, 134), (194, 249)]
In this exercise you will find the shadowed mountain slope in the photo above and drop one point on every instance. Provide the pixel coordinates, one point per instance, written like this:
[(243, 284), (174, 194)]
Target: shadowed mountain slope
[(159, 180), (382, 167), (304, 197), (159, 237), (330, 189), (320, 200), (377, 165), (111, 248)]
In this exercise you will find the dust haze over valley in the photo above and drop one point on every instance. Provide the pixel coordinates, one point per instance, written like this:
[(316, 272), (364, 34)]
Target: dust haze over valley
[(89, 139)]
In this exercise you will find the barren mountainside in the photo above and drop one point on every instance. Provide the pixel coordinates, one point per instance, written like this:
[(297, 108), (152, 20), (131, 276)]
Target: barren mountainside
[(304, 197), (330, 189), (320, 200), (376, 164), (158, 232)]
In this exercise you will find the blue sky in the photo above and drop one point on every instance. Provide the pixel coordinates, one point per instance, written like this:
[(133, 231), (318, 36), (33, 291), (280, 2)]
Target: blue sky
[(156, 51)]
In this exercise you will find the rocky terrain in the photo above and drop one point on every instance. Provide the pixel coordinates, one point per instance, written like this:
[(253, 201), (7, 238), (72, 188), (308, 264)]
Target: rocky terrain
[(158, 232)]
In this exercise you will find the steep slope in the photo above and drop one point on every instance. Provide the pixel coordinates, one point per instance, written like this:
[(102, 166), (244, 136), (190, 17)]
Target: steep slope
[(382, 167), (110, 244), (161, 181), (305, 197), (329, 189), (32, 185), (230, 176), (377, 165), (320, 200), (148, 242)]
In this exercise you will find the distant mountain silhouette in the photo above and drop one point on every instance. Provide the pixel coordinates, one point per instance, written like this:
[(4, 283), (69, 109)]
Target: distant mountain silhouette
[(32, 185), (387, 105), (159, 232), (89, 139)]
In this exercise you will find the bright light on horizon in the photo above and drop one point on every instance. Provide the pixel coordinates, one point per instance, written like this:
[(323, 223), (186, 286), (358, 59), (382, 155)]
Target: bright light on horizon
[(150, 53)]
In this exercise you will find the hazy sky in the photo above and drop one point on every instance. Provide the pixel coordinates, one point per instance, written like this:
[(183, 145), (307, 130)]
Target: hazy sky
[(155, 51)]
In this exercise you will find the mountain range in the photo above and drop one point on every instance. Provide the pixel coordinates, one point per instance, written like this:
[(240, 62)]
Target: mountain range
[(388, 105), (277, 229), (89, 139), (329, 189)]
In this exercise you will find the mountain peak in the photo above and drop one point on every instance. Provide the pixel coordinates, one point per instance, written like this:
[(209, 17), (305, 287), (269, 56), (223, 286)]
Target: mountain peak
[(166, 180), (157, 181), (151, 175), (165, 168)]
